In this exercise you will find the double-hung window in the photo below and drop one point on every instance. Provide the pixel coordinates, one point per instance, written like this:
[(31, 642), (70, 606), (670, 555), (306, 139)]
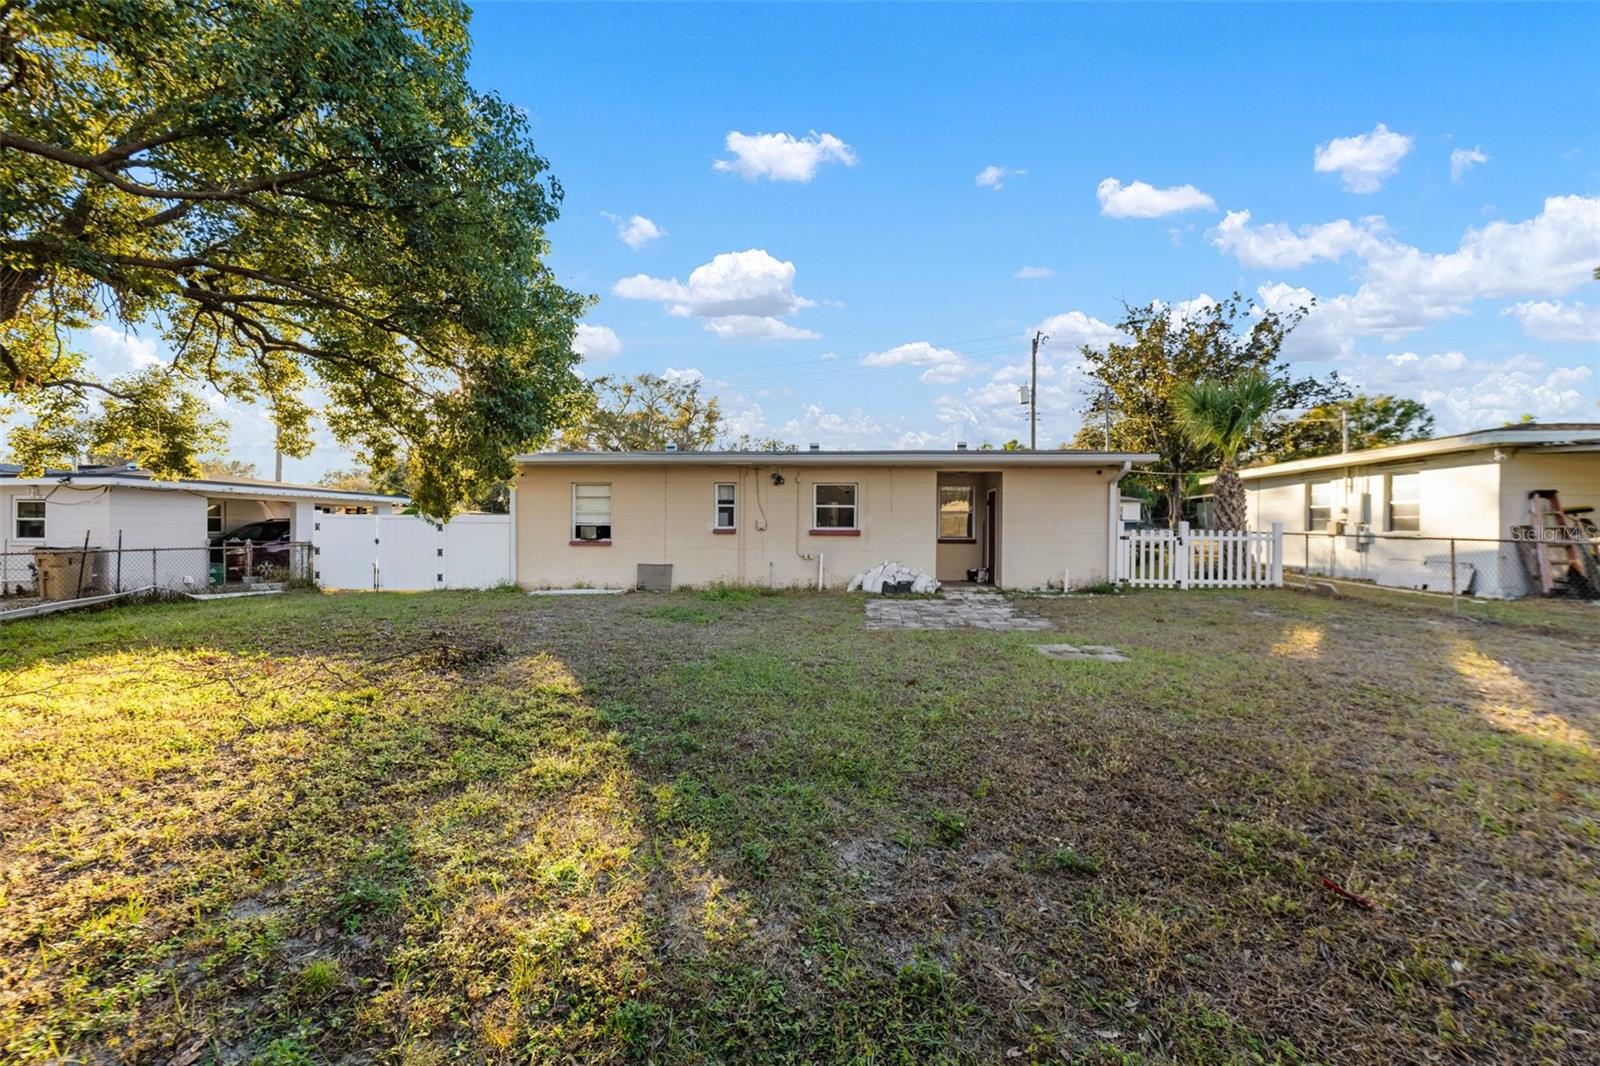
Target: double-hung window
[(833, 506), (213, 520), (955, 512), (1405, 503), (727, 508), (30, 520), (1319, 508), (591, 513)]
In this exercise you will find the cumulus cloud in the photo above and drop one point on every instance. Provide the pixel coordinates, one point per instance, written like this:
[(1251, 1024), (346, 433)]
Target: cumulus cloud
[(1554, 320), (1404, 288), (943, 365), (782, 156), (1031, 273), (116, 351), (1465, 394), (1142, 200), (1464, 159), (738, 294), (635, 231), (1275, 246), (1072, 331), (993, 177), (1365, 161), (596, 343)]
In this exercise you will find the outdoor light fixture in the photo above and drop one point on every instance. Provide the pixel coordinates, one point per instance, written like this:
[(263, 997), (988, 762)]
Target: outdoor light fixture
[(777, 478)]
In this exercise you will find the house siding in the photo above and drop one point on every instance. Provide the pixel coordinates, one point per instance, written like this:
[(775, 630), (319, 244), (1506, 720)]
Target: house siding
[(663, 513)]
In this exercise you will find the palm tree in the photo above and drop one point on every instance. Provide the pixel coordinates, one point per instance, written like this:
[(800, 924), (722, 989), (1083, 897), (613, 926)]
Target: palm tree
[(1225, 415)]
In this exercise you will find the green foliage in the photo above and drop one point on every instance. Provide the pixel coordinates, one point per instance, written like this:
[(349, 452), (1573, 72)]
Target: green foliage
[(646, 413), (218, 467), (1226, 417), (292, 196), (1374, 421), (1139, 379)]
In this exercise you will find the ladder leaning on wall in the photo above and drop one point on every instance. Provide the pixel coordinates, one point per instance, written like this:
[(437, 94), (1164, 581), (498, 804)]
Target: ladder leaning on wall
[(1559, 549)]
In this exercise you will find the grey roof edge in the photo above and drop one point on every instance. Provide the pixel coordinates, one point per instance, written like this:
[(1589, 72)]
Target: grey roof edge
[(903, 457), (275, 489), (1509, 436)]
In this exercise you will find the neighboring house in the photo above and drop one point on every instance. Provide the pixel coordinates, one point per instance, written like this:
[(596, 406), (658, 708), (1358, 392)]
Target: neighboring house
[(1033, 519), (1370, 503), (127, 507)]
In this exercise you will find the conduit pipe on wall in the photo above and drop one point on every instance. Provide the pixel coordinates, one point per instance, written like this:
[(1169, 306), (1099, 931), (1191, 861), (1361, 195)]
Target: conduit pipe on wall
[(820, 557)]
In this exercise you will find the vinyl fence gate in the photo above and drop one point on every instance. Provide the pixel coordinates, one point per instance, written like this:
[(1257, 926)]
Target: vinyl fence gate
[(1201, 559), (411, 553)]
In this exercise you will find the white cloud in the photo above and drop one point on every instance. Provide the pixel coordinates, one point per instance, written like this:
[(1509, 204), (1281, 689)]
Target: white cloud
[(781, 156), (1553, 320), (118, 351), (686, 374), (1404, 288), (1142, 200), (944, 365), (993, 177), (1464, 159), (1030, 273), (1466, 393), (738, 294), (758, 327), (1364, 161), (596, 343), (1071, 331), (1277, 247), (635, 231)]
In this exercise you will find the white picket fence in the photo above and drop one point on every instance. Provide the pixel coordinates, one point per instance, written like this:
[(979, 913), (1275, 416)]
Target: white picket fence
[(410, 553), (1190, 559)]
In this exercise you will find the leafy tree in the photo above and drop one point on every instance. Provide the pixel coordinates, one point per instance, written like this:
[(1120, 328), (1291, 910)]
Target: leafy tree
[(1225, 417), (1139, 380), (646, 413), (294, 195), (1374, 421), (217, 466)]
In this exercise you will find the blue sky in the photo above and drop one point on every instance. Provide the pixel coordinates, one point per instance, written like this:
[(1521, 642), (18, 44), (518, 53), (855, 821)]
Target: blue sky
[(1431, 174)]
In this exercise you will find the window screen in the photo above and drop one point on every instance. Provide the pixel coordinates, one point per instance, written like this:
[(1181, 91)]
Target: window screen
[(1405, 503), (591, 512), (727, 516), (835, 507), (955, 512)]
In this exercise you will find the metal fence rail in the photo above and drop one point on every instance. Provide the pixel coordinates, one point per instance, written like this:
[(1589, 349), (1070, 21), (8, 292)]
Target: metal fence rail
[(66, 573), (1457, 567)]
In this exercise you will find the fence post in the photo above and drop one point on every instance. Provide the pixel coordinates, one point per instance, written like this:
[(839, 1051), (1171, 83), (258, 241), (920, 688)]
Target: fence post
[(152, 569), (1455, 602), (1180, 556), (1275, 576)]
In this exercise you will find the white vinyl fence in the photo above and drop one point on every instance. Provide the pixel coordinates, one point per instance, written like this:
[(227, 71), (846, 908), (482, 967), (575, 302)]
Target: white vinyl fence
[(411, 553), (1190, 559)]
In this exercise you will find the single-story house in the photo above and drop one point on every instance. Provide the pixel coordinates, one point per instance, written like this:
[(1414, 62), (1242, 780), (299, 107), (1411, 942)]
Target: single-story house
[(1377, 509), (1031, 519), (122, 506)]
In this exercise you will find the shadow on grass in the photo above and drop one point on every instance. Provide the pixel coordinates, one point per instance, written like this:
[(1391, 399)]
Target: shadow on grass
[(708, 827)]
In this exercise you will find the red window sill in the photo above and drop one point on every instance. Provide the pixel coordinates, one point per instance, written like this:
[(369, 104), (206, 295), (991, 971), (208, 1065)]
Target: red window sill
[(724, 532), (835, 533), (589, 543), (958, 540)]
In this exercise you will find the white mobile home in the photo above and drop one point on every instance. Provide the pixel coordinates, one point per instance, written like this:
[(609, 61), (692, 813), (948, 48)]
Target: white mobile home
[(1377, 510)]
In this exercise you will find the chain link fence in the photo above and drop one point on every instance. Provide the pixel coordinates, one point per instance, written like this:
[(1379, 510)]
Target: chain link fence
[(1457, 573), (57, 574)]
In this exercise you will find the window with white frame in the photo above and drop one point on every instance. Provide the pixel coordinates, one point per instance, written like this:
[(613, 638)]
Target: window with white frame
[(727, 513), (1319, 507), (30, 520), (591, 512), (213, 519), (833, 506), (1405, 503), (955, 512)]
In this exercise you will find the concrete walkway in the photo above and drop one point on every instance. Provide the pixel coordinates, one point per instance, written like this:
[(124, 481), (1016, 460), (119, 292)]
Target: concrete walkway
[(962, 607)]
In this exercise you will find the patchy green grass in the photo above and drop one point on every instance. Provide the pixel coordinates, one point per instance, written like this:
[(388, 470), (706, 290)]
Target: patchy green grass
[(733, 826)]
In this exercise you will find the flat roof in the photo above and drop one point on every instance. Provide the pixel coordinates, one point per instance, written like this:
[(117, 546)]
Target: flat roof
[(113, 477), (959, 458), (1574, 436)]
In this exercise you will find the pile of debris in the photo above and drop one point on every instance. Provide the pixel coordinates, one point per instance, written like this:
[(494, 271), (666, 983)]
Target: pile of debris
[(892, 577)]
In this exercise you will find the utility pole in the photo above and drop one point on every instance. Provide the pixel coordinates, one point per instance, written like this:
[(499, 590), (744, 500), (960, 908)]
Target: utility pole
[(1344, 429), (1033, 395), (1105, 411)]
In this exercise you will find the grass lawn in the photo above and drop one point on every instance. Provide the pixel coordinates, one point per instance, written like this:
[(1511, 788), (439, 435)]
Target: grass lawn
[(725, 826)]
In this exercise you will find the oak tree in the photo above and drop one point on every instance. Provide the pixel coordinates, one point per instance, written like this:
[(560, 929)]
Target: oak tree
[(309, 205)]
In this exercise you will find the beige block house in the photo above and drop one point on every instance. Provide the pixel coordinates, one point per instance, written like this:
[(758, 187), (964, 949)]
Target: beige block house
[(1033, 519), (1368, 504)]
